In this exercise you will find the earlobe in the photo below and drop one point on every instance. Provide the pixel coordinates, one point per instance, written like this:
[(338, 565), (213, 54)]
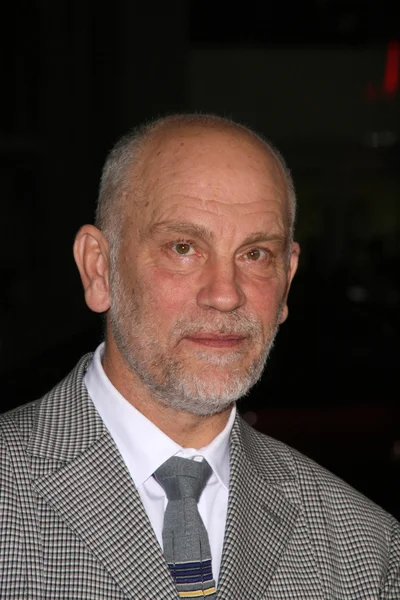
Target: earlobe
[(294, 260), (92, 259), (284, 313)]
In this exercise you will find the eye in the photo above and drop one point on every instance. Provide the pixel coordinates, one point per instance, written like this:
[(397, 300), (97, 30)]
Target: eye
[(256, 254), (183, 248)]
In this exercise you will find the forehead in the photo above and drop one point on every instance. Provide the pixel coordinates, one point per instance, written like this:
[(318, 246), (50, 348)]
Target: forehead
[(198, 173)]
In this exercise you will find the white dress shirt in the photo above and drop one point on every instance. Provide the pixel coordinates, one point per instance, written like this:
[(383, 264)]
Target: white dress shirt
[(144, 447)]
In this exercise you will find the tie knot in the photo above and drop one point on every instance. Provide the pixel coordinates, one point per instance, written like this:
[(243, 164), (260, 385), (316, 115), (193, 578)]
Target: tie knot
[(183, 478)]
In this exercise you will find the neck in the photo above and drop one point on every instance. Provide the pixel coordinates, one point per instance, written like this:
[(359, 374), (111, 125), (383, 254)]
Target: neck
[(186, 429)]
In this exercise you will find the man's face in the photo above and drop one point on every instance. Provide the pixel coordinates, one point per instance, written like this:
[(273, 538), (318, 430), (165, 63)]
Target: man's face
[(199, 287)]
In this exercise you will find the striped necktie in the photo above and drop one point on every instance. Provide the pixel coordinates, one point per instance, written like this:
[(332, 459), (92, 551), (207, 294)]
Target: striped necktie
[(185, 539)]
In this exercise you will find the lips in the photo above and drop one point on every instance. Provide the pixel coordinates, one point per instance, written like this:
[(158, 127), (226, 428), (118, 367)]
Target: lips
[(217, 340)]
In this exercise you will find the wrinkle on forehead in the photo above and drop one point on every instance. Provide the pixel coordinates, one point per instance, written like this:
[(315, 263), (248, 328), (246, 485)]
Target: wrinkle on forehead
[(197, 205)]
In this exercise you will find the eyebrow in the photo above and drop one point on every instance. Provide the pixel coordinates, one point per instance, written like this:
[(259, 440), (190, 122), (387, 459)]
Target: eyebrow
[(263, 236), (193, 230), (184, 227)]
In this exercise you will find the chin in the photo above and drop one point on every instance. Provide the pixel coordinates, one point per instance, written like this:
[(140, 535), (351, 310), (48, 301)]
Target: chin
[(210, 394)]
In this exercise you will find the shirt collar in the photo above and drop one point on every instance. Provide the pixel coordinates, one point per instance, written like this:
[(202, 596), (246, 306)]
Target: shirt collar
[(143, 446)]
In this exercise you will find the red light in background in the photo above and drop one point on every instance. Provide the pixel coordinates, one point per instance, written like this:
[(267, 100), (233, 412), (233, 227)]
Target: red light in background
[(390, 82), (391, 78)]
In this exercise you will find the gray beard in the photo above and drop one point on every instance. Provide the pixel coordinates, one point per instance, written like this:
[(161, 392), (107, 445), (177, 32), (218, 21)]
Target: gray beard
[(165, 376)]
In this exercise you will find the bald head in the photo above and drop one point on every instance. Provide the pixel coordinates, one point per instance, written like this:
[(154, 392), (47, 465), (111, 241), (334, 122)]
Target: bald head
[(126, 170)]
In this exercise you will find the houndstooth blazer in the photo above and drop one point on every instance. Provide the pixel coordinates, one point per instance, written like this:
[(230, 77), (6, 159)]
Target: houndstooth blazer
[(73, 525)]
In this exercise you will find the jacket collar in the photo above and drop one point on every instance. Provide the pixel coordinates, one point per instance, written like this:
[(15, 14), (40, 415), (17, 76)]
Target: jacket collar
[(67, 423), (264, 520)]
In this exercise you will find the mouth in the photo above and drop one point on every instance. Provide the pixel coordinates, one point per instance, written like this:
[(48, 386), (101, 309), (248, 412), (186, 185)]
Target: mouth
[(217, 340)]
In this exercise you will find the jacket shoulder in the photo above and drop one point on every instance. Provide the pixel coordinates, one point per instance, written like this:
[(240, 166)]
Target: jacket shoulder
[(20, 421), (317, 486)]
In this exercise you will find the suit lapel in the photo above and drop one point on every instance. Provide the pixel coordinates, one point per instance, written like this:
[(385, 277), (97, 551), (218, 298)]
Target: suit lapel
[(90, 489), (260, 520)]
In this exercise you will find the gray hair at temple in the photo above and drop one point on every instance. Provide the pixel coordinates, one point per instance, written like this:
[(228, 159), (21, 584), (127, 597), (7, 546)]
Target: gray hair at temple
[(120, 177)]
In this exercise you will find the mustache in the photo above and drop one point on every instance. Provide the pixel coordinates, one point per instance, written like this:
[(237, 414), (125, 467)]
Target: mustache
[(235, 324)]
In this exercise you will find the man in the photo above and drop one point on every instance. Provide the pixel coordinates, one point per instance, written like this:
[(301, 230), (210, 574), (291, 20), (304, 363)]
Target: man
[(191, 261)]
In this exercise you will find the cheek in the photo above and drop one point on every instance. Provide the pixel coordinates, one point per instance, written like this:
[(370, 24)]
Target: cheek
[(168, 293), (265, 299)]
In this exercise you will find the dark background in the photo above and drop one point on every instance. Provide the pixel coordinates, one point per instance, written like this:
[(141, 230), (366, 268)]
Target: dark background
[(319, 78)]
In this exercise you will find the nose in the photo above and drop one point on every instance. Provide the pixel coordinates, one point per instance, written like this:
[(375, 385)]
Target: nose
[(220, 288)]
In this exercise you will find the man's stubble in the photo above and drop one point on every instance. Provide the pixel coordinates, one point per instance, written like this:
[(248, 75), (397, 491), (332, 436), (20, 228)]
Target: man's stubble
[(168, 377)]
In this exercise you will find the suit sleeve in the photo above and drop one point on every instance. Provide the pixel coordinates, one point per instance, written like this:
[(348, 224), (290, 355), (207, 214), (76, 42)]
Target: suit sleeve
[(391, 585), (11, 534)]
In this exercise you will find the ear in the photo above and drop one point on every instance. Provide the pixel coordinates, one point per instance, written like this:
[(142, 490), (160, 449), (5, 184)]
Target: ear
[(293, 262), (91, 255)]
